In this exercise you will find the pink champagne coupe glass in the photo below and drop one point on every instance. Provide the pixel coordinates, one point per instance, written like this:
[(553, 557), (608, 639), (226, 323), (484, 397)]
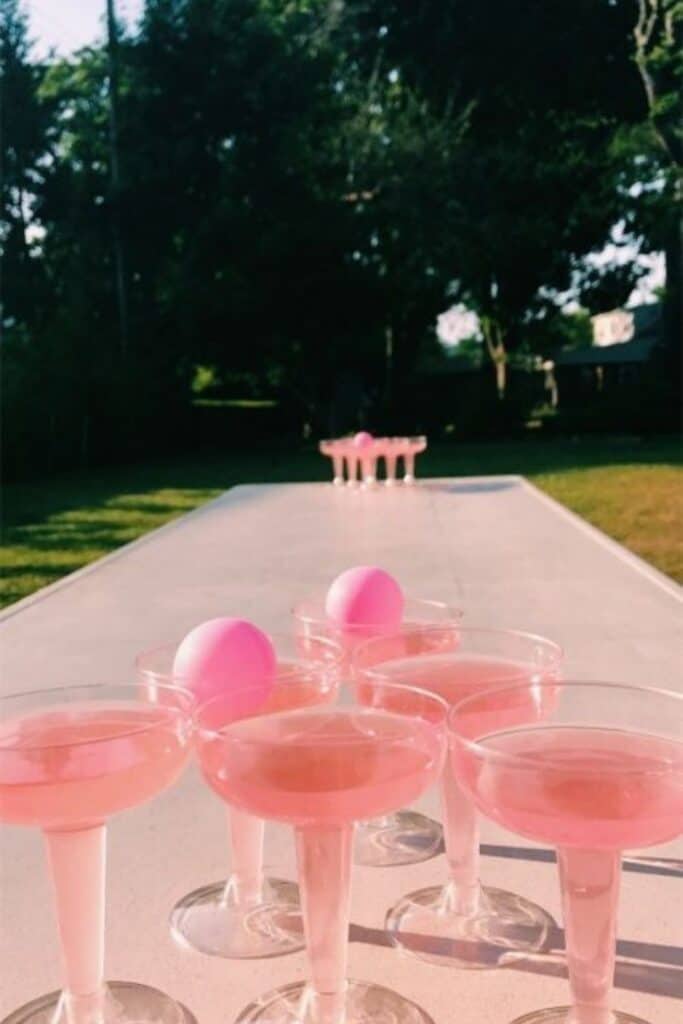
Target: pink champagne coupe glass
[(392, 450), (403, 837), (401, 445), (462, 924), (250, 914), (598, 771), (414, 446), (333, 449), (322, 769), (70, 758), (351, 455), (368, 461)]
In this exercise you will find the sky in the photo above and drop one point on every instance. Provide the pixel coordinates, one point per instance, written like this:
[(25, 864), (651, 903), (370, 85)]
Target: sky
[(66, 25)]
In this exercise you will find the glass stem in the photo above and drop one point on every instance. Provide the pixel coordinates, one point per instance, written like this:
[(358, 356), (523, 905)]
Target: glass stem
[(409, 465), (368, 468), (245, 885), (77, 865), (461, 838), (590, 893), (351, 468), (390, 463), (324, 859), (338, 464)]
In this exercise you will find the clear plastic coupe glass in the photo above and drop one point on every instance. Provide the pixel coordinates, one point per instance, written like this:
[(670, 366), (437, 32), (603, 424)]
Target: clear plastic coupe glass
[(597, 770), (250, 914), (413, 446), (333, 448), (322, 769), (461, 923), (70, 758), (405, 837)]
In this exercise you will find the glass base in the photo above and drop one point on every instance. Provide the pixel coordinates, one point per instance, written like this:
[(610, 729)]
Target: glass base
[(390, 481), (365, 1004), (208, 921), (504, 929), (402, 838), (338, 481), (125, 1002), (409, 479), (563, 1015)]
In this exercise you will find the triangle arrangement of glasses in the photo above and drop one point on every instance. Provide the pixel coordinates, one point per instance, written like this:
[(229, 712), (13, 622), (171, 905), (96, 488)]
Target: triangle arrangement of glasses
[(356, 458), (335, 729)]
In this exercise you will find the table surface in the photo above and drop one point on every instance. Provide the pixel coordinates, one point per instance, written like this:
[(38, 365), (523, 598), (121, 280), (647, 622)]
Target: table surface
[(509, 556)]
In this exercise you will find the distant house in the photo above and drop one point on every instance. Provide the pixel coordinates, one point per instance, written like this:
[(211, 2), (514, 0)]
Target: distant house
[(612, 328), (623, 325), (623, 343)]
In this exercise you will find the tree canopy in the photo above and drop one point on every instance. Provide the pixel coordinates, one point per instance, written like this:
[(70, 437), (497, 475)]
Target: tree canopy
[(303, 186)]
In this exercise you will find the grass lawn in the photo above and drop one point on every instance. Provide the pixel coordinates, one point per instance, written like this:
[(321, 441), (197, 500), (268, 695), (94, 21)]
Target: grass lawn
[(630, 489)]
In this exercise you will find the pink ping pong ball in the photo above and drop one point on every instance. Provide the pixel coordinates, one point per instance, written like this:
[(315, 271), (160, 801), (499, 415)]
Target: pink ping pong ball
[(222, 656), (365, 596), (362, 439)]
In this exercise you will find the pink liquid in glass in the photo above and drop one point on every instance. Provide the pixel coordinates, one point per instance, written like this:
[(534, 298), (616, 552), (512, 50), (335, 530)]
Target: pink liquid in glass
[(328, 767), (65, 769), (303, 687), (591, 788), (453, 676), (592, 792), (71, 767)]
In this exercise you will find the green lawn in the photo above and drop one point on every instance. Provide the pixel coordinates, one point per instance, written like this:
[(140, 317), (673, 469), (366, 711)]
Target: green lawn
[(632, 490)]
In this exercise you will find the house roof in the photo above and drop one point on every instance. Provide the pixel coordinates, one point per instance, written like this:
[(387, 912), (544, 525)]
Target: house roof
[(636, 351)]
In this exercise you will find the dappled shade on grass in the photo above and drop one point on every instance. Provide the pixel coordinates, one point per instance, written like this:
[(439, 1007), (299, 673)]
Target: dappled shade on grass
[(631, 490)]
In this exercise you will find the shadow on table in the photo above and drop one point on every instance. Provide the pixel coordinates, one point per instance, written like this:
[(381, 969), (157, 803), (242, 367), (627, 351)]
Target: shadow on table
[(671, 867), (660, 973), (667, 867), (473, 487)]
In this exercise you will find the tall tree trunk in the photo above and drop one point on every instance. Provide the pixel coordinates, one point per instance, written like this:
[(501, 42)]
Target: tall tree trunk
[(495, 346), (673, 302), (672, 319), (117, 239), (658, 30), (388, 365)]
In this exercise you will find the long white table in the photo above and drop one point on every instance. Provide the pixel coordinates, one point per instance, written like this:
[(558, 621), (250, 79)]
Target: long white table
[(509, 556)]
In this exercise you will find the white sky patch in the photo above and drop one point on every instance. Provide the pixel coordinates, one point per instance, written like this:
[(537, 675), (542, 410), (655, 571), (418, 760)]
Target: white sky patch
[(621, 250), (644, 292), (67, 25), (457, 324)]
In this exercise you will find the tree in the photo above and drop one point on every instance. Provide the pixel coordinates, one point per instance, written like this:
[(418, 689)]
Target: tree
[(536, 179), (658, 37), (243, 235), (121, 283), (23, 126), (399, 155), (26, 290), (303, 188)]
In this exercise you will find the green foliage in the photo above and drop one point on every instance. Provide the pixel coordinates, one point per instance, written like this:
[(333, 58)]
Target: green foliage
[(304, 187), (553, 330), (535, 182), (205, 379)]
